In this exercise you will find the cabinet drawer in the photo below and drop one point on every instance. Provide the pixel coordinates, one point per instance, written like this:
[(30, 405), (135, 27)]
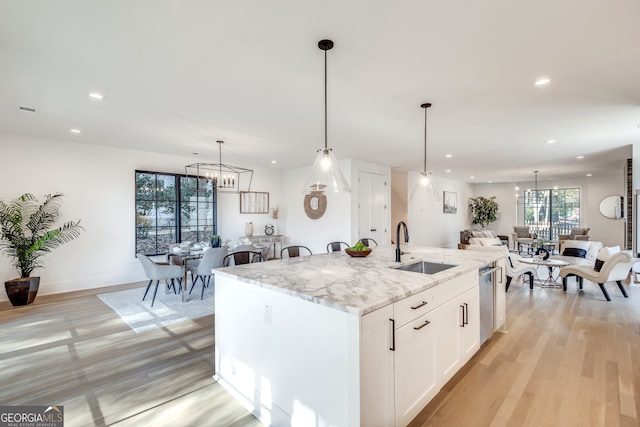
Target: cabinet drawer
[(454, 287), (423, 302), (414, 306)]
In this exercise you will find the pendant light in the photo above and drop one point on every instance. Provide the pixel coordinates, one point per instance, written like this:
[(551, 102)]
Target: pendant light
[(325, 173), (425, 180)]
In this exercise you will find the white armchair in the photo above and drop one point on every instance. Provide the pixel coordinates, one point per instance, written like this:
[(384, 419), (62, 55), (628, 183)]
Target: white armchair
[(615, 269), (515, 268)]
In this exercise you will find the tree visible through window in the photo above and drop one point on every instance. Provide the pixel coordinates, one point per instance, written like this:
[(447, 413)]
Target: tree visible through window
[(552, 212), (159, 198)]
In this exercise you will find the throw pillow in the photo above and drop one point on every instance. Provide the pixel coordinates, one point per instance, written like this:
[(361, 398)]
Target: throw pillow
[(604, 255), (576, 252), (579, 244), (490, 241)]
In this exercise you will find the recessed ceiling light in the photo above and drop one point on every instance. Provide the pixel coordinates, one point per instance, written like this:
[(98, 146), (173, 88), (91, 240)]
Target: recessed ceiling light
[(448, 156), (542, 82), (580, 157), (589, 174), (490, 182), (96, 95), (551, 141), (448, 170), (472, 177), (274, 162), (517, 188), (74, 130)]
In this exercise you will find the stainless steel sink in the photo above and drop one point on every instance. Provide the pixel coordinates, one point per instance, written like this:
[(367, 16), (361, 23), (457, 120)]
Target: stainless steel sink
[(425, 267)]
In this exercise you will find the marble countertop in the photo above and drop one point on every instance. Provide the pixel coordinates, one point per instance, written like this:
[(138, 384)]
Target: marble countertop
[(357, 285)]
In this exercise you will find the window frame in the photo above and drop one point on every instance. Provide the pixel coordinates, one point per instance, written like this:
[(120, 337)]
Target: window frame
[(210, 219)]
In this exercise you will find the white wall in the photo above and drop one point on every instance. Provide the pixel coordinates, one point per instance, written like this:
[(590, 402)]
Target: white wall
[(399, 198), (99, 187), (334, 225), (428, 225)]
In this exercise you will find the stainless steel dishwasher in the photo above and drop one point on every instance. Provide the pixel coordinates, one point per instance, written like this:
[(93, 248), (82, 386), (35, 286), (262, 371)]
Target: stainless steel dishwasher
[(487, 301)]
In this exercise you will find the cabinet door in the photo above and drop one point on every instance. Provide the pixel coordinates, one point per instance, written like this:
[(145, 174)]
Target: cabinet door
[(415, 368), (449, 318), (469, 302), (376, 368), (499, 293)]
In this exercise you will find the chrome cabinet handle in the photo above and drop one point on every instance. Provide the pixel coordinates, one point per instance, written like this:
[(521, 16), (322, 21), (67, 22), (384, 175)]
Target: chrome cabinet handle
[(417, 328), (419, 305)]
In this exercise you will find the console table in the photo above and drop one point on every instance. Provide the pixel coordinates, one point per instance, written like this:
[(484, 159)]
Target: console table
[(267, 240)]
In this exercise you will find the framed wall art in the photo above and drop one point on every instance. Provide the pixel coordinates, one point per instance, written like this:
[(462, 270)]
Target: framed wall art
[(449, 202), (254, 202)]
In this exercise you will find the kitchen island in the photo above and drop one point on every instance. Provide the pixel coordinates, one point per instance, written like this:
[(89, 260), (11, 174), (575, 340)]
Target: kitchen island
[(334, 340)]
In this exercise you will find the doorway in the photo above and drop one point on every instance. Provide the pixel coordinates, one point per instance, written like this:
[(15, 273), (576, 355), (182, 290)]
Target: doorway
[(372, 207)]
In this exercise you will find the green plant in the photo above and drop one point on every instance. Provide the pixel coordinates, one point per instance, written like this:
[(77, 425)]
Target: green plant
[(483, 210), (27, 233)]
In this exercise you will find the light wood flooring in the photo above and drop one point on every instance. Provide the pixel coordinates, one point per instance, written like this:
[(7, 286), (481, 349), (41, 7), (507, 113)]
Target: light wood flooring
[(567, 360)]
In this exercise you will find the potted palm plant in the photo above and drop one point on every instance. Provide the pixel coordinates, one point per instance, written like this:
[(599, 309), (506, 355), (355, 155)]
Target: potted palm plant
[(28, 233)]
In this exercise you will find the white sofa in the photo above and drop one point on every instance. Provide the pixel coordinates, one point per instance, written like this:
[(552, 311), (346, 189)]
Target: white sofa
[(568, 248)]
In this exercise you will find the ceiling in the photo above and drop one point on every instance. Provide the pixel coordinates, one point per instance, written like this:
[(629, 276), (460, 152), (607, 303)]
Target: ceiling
[(177, 76)]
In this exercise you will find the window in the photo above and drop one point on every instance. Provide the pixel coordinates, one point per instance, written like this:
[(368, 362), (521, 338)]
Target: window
[(172, 208), (549, 213)]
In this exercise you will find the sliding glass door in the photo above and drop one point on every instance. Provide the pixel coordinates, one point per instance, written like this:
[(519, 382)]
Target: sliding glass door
[(549, 213)]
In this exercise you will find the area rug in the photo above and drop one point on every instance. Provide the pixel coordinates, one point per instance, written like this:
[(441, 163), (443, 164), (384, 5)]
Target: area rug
[(168, 309)]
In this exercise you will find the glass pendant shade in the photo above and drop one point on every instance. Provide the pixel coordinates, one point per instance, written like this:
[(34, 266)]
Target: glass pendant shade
[(425, 184), (326, 175)]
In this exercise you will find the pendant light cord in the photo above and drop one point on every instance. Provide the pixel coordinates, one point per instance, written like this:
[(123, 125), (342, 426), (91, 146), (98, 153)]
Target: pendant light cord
[(325, 100), (424, 169)]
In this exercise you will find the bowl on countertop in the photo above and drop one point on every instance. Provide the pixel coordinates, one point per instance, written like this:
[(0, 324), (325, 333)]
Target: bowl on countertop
[(358, 253)]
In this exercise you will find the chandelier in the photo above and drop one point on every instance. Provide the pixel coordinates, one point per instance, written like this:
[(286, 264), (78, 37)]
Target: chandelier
[(224, 177)]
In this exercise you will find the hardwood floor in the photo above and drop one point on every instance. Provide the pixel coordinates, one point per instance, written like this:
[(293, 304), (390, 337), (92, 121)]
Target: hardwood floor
[(568, 360), (73, 350)]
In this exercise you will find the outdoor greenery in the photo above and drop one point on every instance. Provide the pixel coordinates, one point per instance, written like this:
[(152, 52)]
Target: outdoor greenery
[(483, 210), (550, 212), (171, 208), (27, 233)]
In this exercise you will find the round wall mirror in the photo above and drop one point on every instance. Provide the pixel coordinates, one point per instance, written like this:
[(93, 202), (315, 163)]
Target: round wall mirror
[(611, 207), (315, 204)]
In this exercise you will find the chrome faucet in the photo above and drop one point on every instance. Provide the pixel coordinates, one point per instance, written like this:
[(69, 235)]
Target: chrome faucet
[(406, 239)]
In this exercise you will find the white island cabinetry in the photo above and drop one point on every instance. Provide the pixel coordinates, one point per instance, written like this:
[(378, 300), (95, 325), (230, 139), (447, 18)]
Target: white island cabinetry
[(318, 341), (422, 353)]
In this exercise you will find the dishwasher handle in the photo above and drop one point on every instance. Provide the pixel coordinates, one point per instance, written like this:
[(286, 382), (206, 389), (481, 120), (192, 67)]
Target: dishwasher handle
[(489, 271)]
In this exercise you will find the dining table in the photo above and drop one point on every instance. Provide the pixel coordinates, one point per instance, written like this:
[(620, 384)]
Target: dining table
[(182, 257)]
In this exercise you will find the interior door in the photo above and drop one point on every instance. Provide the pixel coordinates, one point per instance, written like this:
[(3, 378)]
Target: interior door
[(372, 207)]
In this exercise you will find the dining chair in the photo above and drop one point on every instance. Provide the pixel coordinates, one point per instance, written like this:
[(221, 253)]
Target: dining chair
[(295, 251), (242, 257), (368, 242), (160, 271), (336, 246), (212, 258)]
